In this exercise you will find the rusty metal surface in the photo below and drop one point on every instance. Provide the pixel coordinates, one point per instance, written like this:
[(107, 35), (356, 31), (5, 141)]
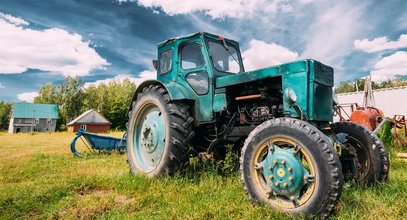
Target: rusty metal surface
[(343, 114), (369, 117), (399, 122)]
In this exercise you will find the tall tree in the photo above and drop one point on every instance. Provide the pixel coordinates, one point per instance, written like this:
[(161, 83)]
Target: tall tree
[(111, 99), (5, 114), (71, 97), (47, 95)]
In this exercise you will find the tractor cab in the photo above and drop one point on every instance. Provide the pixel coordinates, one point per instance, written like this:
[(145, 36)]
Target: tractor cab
[(217, 54), (190, 64)]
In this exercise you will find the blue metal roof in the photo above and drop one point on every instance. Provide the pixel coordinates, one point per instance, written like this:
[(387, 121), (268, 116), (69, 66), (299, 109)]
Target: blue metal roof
[(34, 110)]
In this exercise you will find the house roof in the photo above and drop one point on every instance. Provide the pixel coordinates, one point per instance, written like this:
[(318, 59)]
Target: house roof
[(34, 110), (90, 117)]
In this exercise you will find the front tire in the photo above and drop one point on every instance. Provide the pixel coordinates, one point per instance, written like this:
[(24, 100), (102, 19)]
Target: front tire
[(159, 133), (367, 160), (287, 164)]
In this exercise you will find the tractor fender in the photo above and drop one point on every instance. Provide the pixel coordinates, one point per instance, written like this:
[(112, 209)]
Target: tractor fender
[(174, 89)]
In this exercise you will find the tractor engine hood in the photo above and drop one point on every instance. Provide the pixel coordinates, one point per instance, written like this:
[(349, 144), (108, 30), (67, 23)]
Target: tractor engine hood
[(311, 81)]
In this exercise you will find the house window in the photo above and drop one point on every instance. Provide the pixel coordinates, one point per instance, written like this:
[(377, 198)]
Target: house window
[(37, 121), (35, 130), (83, 127), (17, 121), (49, 121)]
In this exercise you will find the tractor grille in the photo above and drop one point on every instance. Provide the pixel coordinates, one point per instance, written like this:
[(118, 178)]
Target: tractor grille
[(323, 74)]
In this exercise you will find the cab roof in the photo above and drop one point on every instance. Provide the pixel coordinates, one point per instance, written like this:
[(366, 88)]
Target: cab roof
[(202, 34)]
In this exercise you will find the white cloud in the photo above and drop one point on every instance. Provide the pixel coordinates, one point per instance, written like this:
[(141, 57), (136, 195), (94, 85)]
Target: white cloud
[(1, 86), (216, 8), (49, 50), (27, 97), (277, 5), (13, 20), (330, 38), (145, 75), (305, 1), (380, 43), (261, 54), (390, 66)]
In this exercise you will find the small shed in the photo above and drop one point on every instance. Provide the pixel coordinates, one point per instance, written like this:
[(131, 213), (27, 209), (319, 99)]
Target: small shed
[(33, 117), (90, 121)]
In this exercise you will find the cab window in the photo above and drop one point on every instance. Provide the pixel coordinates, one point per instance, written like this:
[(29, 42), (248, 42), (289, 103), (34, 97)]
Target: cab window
[(166, 61), (191, 56)]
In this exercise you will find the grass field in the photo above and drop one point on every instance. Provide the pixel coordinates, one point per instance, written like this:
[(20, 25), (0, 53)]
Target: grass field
[(39, 178)]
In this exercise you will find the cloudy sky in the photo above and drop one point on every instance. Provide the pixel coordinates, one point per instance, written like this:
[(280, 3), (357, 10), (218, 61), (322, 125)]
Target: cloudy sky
[(100, 40)]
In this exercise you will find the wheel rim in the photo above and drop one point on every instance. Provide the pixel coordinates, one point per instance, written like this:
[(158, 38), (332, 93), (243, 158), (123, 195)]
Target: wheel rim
[(359, 155), (149, 137), (284, 172)]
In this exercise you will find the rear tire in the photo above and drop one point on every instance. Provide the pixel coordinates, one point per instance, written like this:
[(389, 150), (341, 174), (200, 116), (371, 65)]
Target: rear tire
[(368, 155), (308, 182), (159, 133)]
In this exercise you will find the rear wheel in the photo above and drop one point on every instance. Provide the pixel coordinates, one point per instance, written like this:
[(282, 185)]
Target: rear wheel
[(159, 133), (288, 164), (367, 160)]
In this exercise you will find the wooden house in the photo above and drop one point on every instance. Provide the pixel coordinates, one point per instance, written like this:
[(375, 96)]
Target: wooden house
[(33, 117), (90, 121)]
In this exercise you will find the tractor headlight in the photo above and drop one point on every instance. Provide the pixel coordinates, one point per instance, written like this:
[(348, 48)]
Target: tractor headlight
[(291, 96), (335, 99)]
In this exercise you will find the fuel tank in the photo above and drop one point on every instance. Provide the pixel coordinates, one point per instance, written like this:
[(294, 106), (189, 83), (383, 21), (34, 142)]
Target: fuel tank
[(369, 117)]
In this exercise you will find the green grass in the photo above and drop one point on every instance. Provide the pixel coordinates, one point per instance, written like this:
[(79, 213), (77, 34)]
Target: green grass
[(39, 178)]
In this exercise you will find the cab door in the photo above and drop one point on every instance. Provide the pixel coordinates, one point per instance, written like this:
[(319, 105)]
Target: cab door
[(194, 73)]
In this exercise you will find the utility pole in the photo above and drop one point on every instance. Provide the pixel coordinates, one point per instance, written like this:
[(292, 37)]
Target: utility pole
[(32, 122)]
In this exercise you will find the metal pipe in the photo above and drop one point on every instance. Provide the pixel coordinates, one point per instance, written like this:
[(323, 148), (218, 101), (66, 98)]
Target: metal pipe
[(380, 126), (257, 96)]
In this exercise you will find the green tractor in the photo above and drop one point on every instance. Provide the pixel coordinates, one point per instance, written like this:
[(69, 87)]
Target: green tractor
[(292, 157)]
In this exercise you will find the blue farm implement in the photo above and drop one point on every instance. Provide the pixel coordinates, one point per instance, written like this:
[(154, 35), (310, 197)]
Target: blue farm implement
[(94, 143)]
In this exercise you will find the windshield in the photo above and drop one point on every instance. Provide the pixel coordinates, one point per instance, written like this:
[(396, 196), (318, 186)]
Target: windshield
[(224, 59)]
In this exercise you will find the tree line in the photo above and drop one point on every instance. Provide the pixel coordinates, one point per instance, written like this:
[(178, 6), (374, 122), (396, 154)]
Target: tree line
[(111, 99), (359, 85)]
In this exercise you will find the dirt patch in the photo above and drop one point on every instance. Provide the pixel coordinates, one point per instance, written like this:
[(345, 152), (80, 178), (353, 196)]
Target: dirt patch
[(94, 202), (32, 214)]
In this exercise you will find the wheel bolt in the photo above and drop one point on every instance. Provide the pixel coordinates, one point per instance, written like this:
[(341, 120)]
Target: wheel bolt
[(305, 178), (290, 178), (289, 169), (283, 162), (271, 177), (275, 162), (285, 185), (276, 184)]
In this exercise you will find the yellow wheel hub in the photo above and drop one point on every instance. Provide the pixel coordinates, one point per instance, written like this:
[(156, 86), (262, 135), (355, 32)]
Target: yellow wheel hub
[(284, 172)]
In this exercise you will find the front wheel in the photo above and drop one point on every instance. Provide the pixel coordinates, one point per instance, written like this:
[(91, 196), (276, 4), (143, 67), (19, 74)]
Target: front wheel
[(158, 134), (288, 164), (366, 160)]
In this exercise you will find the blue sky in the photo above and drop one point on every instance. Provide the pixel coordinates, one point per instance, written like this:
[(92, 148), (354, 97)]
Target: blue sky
[(100, 40)]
